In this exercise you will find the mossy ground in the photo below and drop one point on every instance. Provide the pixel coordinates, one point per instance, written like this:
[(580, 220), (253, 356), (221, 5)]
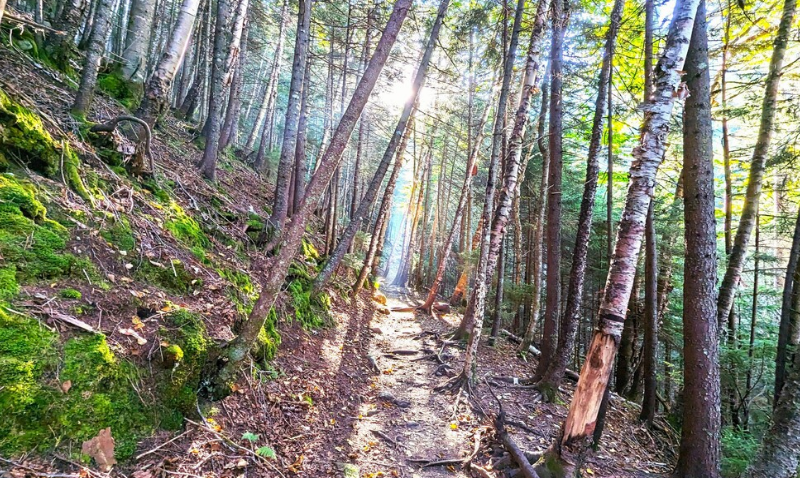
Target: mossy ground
[(129, 94), (24, 141), (29, 240)]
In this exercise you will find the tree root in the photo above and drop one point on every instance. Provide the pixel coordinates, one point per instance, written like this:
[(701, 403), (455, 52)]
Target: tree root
[(111, 125), (457, 384)]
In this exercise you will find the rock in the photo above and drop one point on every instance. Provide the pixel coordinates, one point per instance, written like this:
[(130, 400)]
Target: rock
[(384, 310), (412, 424)]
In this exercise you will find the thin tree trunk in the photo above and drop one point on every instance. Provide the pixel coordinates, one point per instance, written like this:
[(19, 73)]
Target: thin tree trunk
[(270, 92), (156, 93), (777, 457), (572, 313), (648, 156), (497, 316), (745, 405), (539, 221), (193, 99), (300, 161), (700, 435), (97, 47), (373, 255), (736, 259), (277, 266), (219, 73), (493, 231), (789, 283), (289, 144), (391, 149), (231, 123), (553, 256), (650, 342)]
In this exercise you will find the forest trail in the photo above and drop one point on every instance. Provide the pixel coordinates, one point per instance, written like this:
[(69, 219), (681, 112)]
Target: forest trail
[(407, 422)]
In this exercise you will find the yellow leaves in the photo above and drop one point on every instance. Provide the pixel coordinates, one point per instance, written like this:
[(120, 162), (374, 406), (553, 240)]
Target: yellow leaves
[(297, 465), (214, 425), (590, 471), (388, 371), (137, 323), (451, 468), (333, 421), (377, 474), (369, 446), (454, 425)]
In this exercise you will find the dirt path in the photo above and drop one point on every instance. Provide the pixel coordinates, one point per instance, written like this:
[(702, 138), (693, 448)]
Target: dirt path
[(407, 420)]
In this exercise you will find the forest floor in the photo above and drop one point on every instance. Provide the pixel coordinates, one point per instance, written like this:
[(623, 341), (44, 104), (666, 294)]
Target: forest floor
[(331, 412)]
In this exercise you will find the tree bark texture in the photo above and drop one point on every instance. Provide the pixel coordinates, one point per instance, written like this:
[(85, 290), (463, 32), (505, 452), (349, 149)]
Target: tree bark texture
[(134, 56), (156, 93), (97, 47), (786, 311), (647, 157)]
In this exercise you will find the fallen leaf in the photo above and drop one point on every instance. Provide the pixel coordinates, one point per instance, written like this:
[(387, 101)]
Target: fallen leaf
[(65, 386), (132, 333), (101, 448), (297, 465)]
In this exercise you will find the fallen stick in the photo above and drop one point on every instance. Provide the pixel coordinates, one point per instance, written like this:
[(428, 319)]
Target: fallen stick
[(386, 437), (514, 451), (112, 125), (570, 374)]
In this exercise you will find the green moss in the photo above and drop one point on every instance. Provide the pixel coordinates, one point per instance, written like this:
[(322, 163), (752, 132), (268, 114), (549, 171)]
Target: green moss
[(162, 195), (309, 251), (70, 294), (8, 283), (126, 92), (268, 339), (120, 235), (39, 414), (310, 308), (29, 239), (187, 355), (184, 228), (24, 138), (173, 277)]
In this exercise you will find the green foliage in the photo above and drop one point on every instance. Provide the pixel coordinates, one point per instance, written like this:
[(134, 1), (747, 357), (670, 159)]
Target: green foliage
[(268, 339), (251, 437), (8, 283), (310, 308), (738, 447), (124, 91), (70, 294), (266, 452), (24, 140), (29, 240)]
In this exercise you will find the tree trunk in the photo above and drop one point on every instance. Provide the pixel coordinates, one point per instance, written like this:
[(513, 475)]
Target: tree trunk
[(650, 342), (156, 93), (538, 226), (218, 74), (461, 286), (289, 144), (275, 272), (134, 56), (553, 255), (2, 9), (61, 46), (736, 258), (97, 47), (231, 123), (391, 149), (493, 231), (497, 316), (786, 311), (300, 161), (572, 313), (471, 170), (648, 156), (192, 100), (700, 435), (270, 92)]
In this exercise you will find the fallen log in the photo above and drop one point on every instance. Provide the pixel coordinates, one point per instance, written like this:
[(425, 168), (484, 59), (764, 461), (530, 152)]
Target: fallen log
[(514, 451), (570, 374)]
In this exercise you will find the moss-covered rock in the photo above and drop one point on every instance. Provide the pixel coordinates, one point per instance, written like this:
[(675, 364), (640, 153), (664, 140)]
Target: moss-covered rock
[(24, 139), (184, 228), (186, 354), (70, 293), (128, 93), (119, 234), (173, 276)]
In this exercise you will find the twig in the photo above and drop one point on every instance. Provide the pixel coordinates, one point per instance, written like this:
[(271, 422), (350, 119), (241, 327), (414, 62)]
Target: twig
[(110, 126), (386, 437), (140, 456)]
